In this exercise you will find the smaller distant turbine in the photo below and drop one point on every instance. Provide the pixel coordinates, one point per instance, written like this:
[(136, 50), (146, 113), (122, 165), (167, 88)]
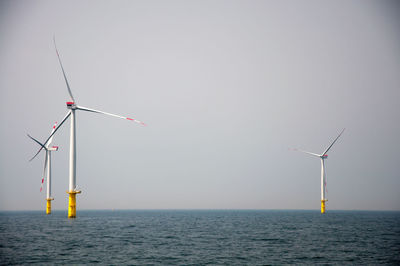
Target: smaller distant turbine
[(47, 168), (323, 156)]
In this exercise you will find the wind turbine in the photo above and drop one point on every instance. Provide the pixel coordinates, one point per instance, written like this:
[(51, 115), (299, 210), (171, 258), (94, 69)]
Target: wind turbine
[(47, 167), (73, 107), (323, 157)]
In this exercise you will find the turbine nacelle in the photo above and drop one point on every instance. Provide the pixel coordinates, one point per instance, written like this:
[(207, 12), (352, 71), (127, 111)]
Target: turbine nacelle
[(324, 156), (53, 148), (71, 105)]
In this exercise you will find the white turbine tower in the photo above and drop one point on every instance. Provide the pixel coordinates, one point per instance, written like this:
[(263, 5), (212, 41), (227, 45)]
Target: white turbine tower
[(71, 105), (323, 157), (47, 167)]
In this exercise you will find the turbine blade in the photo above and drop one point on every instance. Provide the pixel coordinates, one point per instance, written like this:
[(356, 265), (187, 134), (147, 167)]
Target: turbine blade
[(35, 140), (51, 139), (333, 142), (45, 166), (57, 127), (54, 131), (62, 68), (311, 153), (105, 113)]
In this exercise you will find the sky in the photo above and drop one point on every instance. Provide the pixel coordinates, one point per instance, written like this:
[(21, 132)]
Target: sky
[(227, 90)]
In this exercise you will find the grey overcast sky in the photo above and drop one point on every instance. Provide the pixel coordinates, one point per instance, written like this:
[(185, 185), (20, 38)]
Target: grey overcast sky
[(226, 88)]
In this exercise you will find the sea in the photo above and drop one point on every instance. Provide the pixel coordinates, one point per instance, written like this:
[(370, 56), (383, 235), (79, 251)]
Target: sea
[(200, 237)]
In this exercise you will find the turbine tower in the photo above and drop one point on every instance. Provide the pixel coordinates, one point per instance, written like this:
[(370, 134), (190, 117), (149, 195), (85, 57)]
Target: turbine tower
[(71, 105), (323, 157), (47, 167)]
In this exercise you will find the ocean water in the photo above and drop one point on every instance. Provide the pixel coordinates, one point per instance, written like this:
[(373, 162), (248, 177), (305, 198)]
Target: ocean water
[(193, 237)]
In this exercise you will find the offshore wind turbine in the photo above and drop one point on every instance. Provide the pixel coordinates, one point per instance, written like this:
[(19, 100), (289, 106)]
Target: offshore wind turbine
[(323, 156), (73, 107), (47, 168)]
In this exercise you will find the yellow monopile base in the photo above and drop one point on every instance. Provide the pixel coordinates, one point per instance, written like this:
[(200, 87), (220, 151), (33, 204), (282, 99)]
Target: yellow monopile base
[(72, 203), (48, 206), (323, 206)]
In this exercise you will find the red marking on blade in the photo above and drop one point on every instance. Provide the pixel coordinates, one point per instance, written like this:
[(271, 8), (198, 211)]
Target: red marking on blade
[(40, 189), (130, 119), (42, 180), (70, 103)]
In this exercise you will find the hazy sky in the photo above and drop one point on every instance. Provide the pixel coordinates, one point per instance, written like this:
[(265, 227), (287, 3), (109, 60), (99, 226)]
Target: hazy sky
[(226, 88)]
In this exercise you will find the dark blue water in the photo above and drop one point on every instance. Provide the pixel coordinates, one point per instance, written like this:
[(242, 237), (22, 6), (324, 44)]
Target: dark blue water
[(200, 237)]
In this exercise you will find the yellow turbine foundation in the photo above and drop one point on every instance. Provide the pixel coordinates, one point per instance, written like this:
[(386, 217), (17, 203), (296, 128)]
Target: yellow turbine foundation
[(48, 206), (72, 203), (323, 206)]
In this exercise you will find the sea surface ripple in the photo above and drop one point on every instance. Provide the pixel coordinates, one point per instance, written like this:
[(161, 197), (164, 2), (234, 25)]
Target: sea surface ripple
[(200, 237)]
